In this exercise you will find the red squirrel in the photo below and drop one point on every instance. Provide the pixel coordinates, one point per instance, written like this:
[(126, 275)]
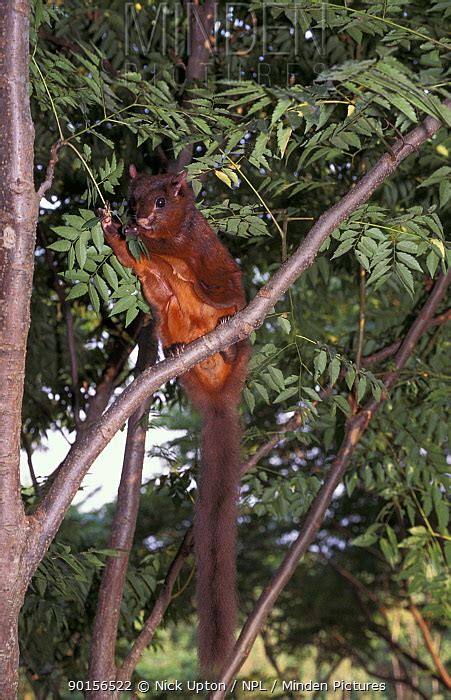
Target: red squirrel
[(192, 283)]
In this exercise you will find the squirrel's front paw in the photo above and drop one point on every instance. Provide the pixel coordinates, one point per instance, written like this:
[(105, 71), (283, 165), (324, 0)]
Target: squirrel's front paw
[(173, 350), (110, 227), (131, 230)]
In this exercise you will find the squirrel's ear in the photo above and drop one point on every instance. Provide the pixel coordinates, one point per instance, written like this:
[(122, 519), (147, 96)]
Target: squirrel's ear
[(132, 170), (179, 182)]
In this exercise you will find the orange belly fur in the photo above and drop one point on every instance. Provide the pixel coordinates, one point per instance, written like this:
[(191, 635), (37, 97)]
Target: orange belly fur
[(182, 315)]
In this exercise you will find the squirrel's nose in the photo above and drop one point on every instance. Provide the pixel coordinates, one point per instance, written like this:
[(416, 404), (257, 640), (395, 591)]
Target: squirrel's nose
[(146, 221)]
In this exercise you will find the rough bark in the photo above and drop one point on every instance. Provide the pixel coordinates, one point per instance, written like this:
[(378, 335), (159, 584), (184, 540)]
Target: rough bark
[(18, 211)]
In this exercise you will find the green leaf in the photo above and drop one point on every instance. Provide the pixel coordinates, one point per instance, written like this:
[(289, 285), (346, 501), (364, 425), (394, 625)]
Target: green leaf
[(368, 538), (376, 390), (367, 246), (277, 376), (379, 270), (60, 246), (334, 370), (361, 387), (134, 246), (390, 553), (102, 287), (444, 192), (441, 509), (407, 246), (131, 315), (284, 324), (409, 260), (66, 232), (319, 363), (404, 106), (223, 177), (123, 304), (262, 391), (110, 275), (94, 298), (405, 276), (351, 483), (311, 393), (97, 237), (432, 261), (363, 260), (280, 109), (249, 398), (342, 404), (343, 248), (77, 222), (286, 394), (283, 137), (78, 290), (391, 536), (80, 252), (439, 175), (350, 377)]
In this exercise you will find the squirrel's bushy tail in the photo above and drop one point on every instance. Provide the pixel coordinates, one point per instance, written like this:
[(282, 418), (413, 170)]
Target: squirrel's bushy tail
[(215, 526)]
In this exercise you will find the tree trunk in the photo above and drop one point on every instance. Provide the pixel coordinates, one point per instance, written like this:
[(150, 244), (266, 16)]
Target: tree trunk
[(10, 605), (18, 211), (102, 664)]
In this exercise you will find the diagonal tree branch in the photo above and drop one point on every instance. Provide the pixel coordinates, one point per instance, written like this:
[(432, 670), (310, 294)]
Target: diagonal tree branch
[(399, 651), (384, 353), (146, 635), (48, 517), (354, 431), (429, 642)]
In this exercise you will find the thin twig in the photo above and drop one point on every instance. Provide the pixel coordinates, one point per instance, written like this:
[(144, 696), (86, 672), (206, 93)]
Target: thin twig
[(161, 604), (291, 425), (50, 172), (389, 350), (27, 447)]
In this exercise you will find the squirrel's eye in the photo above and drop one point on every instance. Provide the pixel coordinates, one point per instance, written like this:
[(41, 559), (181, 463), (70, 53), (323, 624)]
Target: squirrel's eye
[(160, 202)]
